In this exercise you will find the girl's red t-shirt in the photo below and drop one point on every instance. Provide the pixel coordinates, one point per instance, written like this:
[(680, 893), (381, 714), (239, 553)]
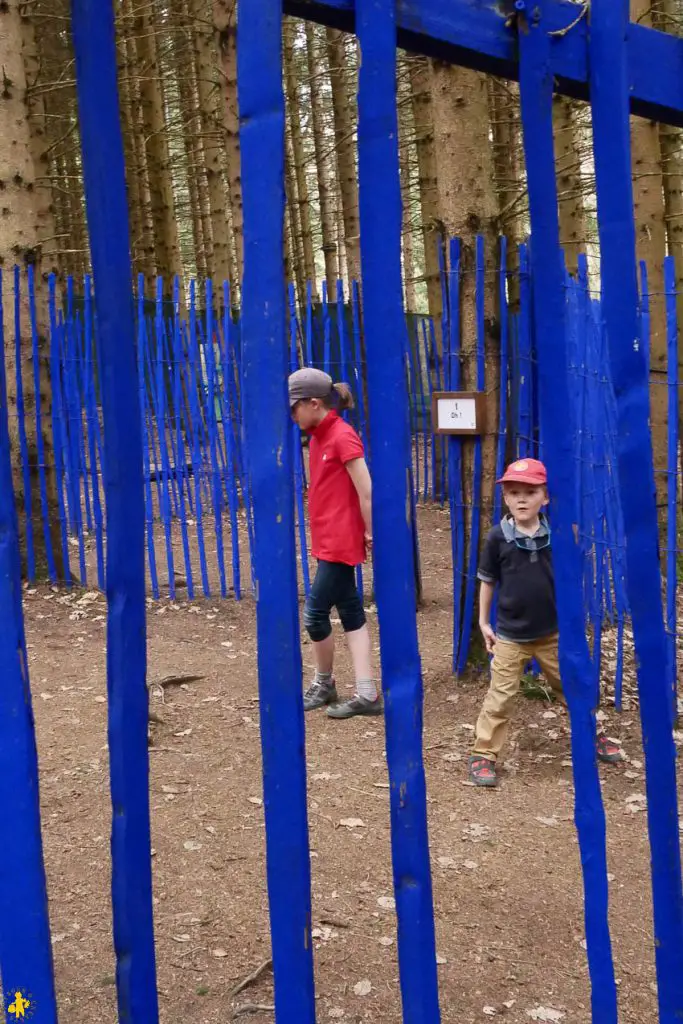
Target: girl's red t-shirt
[(337, 527)]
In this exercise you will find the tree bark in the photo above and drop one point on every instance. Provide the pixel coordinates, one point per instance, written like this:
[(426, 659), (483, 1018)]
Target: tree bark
[(316, 58), (648, 200), (297, 153), (570, 191), (225, 27), (432, 225), (344, 131), (27, 237)]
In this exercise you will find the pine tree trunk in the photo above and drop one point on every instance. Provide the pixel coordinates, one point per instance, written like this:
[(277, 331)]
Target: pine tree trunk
[(432, 227), (464, 162), (570, 193), (26, 225), (225, 27), (406, 133), (344, 131), (166, 241), (316, 58), (648, 199), (298, 157), (510, 185), (209, 96), (146, 249)]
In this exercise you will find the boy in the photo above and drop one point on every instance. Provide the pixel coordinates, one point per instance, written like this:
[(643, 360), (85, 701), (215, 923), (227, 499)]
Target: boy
[(516, 561)]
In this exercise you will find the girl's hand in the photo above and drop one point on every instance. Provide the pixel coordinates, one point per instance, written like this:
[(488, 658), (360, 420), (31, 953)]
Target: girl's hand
[(489, 636), (368, 542)]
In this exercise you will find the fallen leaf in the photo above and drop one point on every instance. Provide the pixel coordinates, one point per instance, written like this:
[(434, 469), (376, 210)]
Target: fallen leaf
[(490, 1011), (363, 988), (352, 823), (441, 960), (227, 643), (550, 822), (256, 801), (549, 714), (445, 862), (386, 902), (386, 940), (192, 844), (336, 1013), (324, 777), (545, 1014), (471, 865), (181, 938), (219, 953)]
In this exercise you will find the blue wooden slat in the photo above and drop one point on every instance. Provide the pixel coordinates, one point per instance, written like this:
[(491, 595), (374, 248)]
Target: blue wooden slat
[(40, 445), (455, 488), (216, 481), (233, 500), (476, 35), (107, 215), (385, 326), (267, 425), (57, 424), (612, 150), (672, 473), (179, 389), (21, 427), (536, 86), (142, 399), (91, 409), (25, 948)]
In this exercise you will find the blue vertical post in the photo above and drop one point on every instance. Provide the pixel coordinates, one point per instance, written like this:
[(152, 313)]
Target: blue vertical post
[(536, 92), (455, 488), (25, 948), (385, 326), (267, 426), (672, 472), (609, 87), (57, 425), (21, 426), (40, 446), (107, 213)]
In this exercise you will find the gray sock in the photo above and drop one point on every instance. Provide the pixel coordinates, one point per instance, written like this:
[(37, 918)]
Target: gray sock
[(367, 689), (323, 677)]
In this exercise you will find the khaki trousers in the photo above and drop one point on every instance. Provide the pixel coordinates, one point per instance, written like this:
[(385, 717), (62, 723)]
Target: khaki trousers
[(508, 663)]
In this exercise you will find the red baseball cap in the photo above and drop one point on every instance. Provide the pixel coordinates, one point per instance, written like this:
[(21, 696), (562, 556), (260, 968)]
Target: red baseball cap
[(525, 471)]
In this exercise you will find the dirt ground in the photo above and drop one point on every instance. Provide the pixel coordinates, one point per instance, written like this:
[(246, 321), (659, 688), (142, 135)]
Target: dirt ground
[(507, 883)]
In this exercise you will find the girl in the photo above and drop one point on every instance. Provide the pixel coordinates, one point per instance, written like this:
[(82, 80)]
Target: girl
[(340, 514)]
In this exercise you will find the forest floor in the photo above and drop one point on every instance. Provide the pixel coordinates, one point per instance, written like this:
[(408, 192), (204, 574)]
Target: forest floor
[(506, 873)]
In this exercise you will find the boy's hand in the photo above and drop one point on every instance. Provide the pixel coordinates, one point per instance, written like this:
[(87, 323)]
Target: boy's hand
[(488, 635)]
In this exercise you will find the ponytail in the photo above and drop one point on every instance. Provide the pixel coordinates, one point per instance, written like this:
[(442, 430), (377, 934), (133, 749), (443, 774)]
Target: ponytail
[(344, 398)]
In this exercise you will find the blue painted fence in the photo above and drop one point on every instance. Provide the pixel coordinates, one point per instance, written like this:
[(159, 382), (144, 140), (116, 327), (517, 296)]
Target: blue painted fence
[(198, 510)]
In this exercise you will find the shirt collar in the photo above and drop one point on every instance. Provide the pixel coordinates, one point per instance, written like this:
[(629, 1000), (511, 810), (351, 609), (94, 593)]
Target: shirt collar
[(511, 532), (324, 427)]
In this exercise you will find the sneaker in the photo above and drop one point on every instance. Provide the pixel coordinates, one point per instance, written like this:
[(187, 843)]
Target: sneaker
[(482, 772), (319, 694), (356, 706), (609, 752)]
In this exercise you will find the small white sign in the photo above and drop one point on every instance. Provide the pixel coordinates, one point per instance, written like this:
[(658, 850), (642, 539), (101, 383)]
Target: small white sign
[(456, 414)]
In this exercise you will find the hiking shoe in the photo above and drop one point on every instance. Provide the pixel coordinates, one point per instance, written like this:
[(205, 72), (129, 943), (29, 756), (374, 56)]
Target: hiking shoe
[(482, 771), (319, 694), (356, 706), (609, 752)]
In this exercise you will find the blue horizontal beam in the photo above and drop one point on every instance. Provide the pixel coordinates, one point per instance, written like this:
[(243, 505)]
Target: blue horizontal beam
[(477, 35)]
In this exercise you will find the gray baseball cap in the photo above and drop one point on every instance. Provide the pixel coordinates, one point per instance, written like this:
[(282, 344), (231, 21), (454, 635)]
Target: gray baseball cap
[(308, 383)]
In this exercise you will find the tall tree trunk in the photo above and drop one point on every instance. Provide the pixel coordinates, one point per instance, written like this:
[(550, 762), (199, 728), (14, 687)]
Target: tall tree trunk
[(509, 180), (297, 152), (464, 162), (406, 137), (570, 190), (26, 224), (344, 130), (166, 241), (146, 249), (297, 248), (225, 27), (432, 225), (209, 97), (316, 58), (648, 198)]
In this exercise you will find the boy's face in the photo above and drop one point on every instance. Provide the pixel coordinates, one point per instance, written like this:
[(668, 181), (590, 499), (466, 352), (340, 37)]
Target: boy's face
[(525, 501)]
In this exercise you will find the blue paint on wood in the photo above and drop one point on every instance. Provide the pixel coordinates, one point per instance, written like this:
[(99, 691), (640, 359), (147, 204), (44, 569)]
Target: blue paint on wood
[(195, 377), (385, 326), (475, 35), (233, 500), (672, 473), (612, 151), (536, 87), (216, 481), (179, 385), (142, 400), (25, 947), (107, 215), (40, 445), (92, 419), (57, 425), (455, 488), (21, 427), (267, 434)]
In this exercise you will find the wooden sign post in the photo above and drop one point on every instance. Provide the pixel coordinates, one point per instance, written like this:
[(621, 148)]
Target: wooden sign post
[(459, 412)]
